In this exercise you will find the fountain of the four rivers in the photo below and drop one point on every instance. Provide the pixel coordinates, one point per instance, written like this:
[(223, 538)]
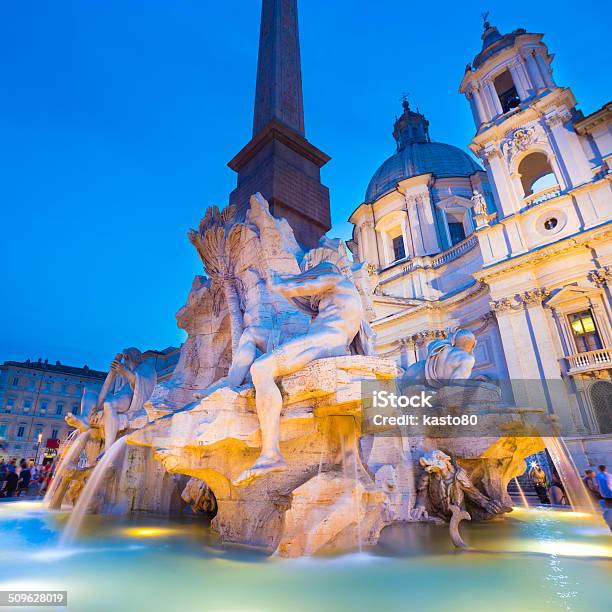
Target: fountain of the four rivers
[(257, 476)]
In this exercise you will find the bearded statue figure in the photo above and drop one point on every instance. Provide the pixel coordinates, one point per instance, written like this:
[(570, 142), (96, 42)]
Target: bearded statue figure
[(327, 291), (127, 387)]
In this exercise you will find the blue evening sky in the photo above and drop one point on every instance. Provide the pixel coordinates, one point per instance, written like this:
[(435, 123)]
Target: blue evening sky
[(117, 119)]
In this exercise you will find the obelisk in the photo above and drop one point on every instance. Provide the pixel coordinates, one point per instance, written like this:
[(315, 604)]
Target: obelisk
[(278, 161)]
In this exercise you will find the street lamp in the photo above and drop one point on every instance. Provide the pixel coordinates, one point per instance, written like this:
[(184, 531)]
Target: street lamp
[(38, 447)]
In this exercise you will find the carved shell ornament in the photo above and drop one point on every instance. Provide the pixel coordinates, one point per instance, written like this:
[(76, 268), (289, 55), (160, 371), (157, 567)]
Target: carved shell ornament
[(520, 140)]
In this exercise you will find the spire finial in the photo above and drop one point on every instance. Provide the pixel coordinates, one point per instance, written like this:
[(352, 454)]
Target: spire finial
[(404, 100), (485, 20)]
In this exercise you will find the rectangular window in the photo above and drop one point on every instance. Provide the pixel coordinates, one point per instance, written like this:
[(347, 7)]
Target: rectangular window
[(3, 428), (20, 431), (16, 381), (399, 251), (44, 406), (10, 404), (49, 385), (27, 406), (63, 388), (54, 434), (59, 409), (585, 332), (456, 231)]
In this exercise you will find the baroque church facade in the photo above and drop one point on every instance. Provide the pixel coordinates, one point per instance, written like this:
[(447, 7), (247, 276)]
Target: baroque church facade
[(518, 250)]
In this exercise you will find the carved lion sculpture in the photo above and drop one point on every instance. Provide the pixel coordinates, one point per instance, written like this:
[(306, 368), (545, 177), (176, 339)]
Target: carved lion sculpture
[(442, 491)]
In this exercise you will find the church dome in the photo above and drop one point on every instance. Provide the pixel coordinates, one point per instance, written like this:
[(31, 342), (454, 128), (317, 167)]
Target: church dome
[(416, 154)]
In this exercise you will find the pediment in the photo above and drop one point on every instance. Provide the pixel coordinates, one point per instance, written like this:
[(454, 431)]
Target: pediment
[(570, 293), (454, 202)]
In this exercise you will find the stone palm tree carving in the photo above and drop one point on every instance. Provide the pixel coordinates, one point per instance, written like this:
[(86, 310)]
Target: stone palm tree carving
[(216, 240)]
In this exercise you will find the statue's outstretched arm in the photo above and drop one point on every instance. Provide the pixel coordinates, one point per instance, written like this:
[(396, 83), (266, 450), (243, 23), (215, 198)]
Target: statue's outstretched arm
[(315, 281)]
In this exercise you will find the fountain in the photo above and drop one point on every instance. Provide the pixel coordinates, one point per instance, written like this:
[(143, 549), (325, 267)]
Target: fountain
[(266, 420)]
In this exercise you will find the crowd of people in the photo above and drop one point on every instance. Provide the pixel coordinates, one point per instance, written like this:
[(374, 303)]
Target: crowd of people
[(24, 479), (551, 490)]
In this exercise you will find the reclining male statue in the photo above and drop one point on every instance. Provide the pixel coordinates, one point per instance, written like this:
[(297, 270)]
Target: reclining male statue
[(127, 387), (447, 361), (326, 291)]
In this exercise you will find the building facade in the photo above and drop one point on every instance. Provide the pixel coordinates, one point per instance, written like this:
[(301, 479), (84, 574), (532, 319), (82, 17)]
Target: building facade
[(518, 250), (35, 396)]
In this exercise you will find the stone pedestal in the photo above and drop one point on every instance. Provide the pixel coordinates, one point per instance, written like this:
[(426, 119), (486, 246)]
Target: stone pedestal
[(325, 486)]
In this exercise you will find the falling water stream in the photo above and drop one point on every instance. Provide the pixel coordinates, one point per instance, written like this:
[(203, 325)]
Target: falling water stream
[(90, 489), (72, 452), (522, 494), (575, 490)]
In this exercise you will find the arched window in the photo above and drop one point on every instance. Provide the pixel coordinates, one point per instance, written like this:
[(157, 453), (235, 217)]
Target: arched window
[(506, 91), (536, 173)]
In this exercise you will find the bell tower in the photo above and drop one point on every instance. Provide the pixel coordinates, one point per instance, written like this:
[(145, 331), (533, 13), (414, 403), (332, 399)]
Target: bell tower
[(524, 121)]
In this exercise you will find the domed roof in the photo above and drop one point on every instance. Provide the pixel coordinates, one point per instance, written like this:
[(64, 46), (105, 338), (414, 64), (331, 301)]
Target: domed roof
[(415, 155)]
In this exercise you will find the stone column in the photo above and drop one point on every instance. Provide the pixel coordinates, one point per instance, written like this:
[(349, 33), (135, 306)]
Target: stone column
[(500, 180), (479, 105), (416, 231), (388, 248), (520, 358), (544, 70), (569, 148), (560, 401), (428, 224), (518, 82), (534, 71), (493, 99), (405, 236)]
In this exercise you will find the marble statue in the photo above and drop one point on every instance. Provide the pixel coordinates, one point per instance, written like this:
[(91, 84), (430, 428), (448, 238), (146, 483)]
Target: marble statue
[(442, 491), (127, 387), (447, 361), (479, 204), (325, 290)]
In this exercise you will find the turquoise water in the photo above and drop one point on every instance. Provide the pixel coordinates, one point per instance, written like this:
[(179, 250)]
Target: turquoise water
[(536, 560)]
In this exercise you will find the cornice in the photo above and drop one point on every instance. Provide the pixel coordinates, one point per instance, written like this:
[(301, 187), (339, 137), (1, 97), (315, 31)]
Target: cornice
[(566, 245)]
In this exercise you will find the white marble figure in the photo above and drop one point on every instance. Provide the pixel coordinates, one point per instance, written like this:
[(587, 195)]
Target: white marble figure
[(127, 387), (326, 291), (479, 203), (257, 335), (447, 360)]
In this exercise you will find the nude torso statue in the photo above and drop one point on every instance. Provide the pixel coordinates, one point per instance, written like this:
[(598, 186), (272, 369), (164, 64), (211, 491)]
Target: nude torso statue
[(335, 305)]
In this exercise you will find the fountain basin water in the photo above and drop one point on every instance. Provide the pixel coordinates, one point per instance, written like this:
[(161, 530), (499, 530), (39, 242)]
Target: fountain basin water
[(538, 559)]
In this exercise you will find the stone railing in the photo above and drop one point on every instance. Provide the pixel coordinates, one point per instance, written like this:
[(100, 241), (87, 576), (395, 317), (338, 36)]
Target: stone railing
[(548, 193), (593, 360), (456, 251), (426, 261)]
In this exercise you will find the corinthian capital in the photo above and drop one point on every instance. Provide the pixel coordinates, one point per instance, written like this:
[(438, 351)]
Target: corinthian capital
[(601, 276), (534, 296), (504, 305), (557, 117)]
